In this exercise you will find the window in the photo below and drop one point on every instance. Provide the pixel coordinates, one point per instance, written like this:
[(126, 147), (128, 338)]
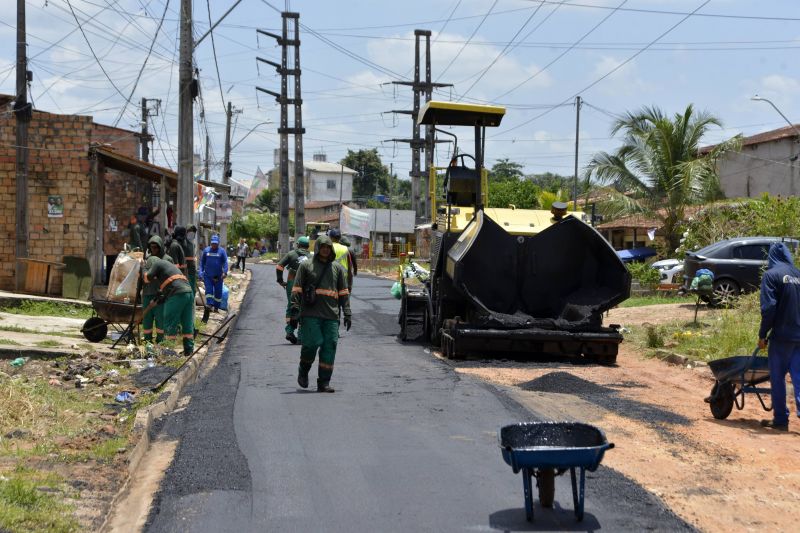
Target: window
[(331, 185), (754, 252)]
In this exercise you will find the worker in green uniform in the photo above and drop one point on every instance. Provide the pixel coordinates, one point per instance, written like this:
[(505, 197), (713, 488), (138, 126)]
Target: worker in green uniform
[(155, 317), (175, 250), (319, 291), (290, 263), (186, 239), (175, 293)]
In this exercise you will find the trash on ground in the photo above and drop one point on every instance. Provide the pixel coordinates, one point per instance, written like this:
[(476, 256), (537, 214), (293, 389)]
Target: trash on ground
[(19, 361), (125, 397)]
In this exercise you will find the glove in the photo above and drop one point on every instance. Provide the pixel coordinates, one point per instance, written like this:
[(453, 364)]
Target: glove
[(347, 323), (293, 323), (282, 283)]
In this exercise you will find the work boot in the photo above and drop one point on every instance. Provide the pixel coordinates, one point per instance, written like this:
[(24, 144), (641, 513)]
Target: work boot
[(291, 338), (322, 386), (206, 312), (772, 425), (302, 379)]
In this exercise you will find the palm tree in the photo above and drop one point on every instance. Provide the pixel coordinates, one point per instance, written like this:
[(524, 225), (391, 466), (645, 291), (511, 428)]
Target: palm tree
[(659, 169)]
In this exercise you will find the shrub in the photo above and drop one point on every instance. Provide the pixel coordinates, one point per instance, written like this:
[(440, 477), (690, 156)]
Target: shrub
[(647, 276)]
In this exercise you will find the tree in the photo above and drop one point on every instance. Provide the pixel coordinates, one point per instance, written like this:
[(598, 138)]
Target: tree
[(255, 225), (659, 169), (505, 170), (549, 181), (266, 200), (372, 176), (521, 194)]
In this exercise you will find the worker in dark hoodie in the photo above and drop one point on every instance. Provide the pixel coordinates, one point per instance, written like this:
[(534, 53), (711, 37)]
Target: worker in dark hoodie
[(155, 317), (320, 289), (780, 331)]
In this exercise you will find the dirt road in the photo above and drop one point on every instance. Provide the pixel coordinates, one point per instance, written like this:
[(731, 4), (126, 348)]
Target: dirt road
[(717, 475)]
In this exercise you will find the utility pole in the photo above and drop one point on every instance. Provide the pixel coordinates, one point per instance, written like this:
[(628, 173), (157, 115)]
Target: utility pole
[(226, 170), (419, 199), (207, 166), (391, 193), (284, 130), (23, 113), (144, 137), (186, 91), (577, 138)]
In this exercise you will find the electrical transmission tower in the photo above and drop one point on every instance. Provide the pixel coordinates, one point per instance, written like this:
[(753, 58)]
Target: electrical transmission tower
[(419, 198), (286, 43)]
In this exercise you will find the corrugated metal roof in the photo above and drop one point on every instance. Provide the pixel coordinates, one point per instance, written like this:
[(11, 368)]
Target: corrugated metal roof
[(325, 166)]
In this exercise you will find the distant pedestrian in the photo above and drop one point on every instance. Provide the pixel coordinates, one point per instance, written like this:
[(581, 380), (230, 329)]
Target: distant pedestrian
[(780, 330), (242, 251), (320, 290)]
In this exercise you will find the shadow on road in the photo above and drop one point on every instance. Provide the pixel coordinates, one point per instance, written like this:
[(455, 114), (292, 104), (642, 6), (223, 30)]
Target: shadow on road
[(556, 519)]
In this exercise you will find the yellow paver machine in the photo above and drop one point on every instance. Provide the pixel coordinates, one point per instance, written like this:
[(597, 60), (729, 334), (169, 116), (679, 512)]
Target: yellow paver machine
[(511, 280)]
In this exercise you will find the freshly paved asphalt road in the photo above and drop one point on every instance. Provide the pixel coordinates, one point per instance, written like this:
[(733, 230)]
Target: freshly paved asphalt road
[(405, 443)]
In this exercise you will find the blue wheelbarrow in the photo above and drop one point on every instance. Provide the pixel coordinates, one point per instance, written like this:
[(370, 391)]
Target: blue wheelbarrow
[(543, 450), (735, 377)]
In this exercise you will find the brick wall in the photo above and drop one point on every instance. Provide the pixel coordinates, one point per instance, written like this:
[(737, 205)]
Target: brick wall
[(122, 141), (124, 194)]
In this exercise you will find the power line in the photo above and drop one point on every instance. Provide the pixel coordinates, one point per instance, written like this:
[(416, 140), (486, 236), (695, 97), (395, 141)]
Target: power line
[(565, 52), (613, 70), (450, 64), (214, 49), (144, 64)]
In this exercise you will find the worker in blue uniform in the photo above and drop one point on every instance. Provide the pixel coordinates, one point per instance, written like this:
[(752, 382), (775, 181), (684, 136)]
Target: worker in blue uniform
[(213, 269)]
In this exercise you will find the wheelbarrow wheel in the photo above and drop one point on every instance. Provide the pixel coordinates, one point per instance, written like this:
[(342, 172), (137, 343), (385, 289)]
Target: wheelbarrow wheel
[(95, 329), (546, 481), (722, 400)]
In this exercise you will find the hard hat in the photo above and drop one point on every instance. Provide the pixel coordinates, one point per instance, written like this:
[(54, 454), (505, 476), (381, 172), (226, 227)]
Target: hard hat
[(215, 239), (303, 242), (334, 233)]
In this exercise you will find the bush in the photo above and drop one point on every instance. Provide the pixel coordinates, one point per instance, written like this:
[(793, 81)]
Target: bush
[(647, 276), (655, 336)]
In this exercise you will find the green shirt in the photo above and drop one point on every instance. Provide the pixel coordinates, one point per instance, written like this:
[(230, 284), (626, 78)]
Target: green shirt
[(188, 252), (176, 251), (291, 261), (332, 293), (159, 271), (151, 289)]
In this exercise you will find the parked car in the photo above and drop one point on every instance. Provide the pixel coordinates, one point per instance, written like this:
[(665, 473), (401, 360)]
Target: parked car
[(737, 265), (671, 271)]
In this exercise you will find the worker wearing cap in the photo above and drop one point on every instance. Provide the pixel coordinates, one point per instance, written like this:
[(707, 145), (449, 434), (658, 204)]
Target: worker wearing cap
[(213, 269), (175, 295), (153, 319), (342, 254), (290, 263), (324, 280)]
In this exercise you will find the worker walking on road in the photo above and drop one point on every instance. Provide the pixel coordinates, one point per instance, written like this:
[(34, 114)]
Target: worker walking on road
[(175, 295), (154, 318), (343, 256), (780, 330), (213, 269), (320, 290), (242, 251), (290, 263)]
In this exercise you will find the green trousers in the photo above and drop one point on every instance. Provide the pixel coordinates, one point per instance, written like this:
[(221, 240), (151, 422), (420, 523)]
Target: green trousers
[(179, 311), (323, 335), (193, 282), (289, 284), (155, 315)]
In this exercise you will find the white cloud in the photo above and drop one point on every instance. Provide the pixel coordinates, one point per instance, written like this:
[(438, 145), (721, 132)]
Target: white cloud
[(625, 81)]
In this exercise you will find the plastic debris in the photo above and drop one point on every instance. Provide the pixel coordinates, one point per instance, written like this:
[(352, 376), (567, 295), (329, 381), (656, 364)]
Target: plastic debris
[(19, 361), (125, 397)]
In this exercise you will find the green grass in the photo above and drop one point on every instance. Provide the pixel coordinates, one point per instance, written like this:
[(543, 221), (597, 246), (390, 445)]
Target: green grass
[(639, 301), (47, 308), (23, 507), (20, 329), (725, 333), (9, 341), (48, 344)]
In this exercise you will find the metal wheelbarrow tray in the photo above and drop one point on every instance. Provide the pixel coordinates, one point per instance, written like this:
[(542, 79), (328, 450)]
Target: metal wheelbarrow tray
[(546, 449), (735, 377), (108, 312)]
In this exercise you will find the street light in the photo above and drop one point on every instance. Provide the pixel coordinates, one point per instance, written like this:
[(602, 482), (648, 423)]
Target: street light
[(248, 133), (762, 99)]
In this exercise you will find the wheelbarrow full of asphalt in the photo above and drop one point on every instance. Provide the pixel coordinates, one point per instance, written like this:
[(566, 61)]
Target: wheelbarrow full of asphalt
[(735, 377), (543, 450)]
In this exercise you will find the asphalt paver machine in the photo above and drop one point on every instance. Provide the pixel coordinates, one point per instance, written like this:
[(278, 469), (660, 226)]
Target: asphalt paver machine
[(512, 280)]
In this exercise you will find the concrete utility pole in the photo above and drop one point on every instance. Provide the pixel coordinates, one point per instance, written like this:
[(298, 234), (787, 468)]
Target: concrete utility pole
[(577, 138), (226, 171), (206, 163), (144, 137), (186, 92), (23, 112), (284, 130), (419, 197)]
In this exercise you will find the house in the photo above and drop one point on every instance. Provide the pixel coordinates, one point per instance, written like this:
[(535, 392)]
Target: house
[(767, 163), (324, 181), (85, 181), (634, 231)]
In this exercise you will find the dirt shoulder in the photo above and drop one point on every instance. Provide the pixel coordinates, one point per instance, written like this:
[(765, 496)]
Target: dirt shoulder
[(719, 475)]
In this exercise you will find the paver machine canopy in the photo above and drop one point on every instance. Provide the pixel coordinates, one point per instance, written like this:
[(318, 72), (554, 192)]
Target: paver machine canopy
[(514, 280)]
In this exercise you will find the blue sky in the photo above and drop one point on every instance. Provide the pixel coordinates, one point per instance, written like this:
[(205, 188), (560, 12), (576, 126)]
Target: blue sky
[(532, 56)]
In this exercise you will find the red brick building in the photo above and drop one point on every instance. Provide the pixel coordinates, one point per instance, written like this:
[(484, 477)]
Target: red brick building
[(84, 183)]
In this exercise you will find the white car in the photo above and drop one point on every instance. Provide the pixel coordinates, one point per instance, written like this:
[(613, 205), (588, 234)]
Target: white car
[(671, 270)]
